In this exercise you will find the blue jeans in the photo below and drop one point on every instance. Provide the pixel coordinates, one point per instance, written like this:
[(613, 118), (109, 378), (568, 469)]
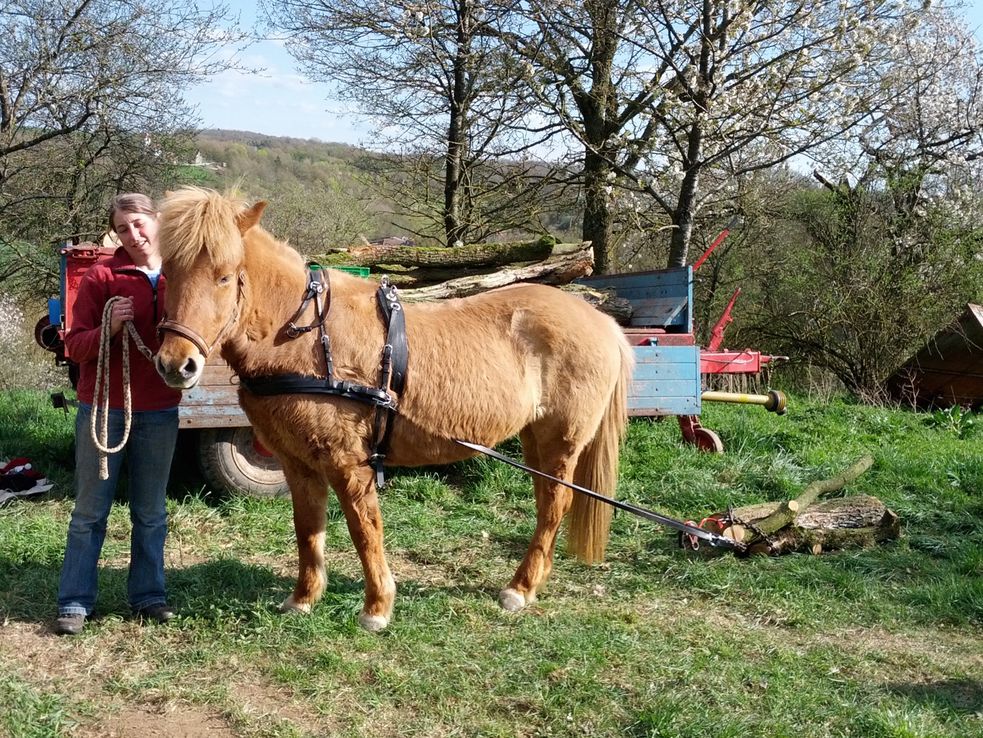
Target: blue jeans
[(148, 451)]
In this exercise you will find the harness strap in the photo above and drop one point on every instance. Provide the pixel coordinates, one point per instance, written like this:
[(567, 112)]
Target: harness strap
[(301, 384), (315, 288), (392, 375), (395, 358)]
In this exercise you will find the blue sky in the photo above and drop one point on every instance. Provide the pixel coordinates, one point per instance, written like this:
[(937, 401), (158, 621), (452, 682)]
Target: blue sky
[(281, 102), (278, 101)]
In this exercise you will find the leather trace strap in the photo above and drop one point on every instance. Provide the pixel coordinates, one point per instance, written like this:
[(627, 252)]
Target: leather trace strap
[(392, 375)]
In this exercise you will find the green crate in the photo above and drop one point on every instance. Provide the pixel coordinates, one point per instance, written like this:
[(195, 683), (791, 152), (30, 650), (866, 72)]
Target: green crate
[(357, 271)]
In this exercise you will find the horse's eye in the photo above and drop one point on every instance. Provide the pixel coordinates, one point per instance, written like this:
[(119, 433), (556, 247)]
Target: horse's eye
[(225, 279)]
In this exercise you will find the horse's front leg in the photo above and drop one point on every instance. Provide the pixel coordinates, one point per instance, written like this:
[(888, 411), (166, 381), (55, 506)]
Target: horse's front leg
[(356, 490), (309, 494)]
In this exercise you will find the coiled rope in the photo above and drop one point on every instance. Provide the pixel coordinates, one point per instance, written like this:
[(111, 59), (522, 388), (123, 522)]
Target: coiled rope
[(99, 420)]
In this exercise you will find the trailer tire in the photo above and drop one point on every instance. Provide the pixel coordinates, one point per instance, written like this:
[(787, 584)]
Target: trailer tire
[(232, 462)]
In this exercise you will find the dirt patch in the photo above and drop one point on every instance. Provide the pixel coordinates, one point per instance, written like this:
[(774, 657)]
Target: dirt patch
[(175, 721)]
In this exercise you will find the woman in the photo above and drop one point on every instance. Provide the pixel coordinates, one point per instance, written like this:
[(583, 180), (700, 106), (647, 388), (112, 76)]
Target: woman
[(133, 273)]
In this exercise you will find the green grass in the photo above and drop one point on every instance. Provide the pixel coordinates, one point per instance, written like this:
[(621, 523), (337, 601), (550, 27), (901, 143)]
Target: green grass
[(655, 642)]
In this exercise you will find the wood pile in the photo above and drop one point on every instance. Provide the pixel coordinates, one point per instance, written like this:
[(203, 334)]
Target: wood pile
[(426, 273), (802, 524)]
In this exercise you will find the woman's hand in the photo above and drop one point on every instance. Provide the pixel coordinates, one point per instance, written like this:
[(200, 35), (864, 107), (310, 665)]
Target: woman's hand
[(122, 311)]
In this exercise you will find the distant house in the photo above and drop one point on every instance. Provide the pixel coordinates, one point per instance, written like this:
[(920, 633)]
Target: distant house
[(203, 163)]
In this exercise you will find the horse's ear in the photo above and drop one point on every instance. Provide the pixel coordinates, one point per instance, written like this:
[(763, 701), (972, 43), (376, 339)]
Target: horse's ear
[(250, 217)]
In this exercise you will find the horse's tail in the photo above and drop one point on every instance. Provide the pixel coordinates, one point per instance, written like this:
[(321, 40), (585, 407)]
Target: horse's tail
[(597, 469)]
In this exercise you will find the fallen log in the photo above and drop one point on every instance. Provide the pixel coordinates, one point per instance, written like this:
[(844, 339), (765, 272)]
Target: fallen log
[(468, 256), (604, 300), (785, 513), (849, 522), (802, 524), (556, 270)]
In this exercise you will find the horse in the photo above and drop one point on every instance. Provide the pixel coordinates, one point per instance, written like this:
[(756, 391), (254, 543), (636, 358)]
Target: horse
[(528, 360)]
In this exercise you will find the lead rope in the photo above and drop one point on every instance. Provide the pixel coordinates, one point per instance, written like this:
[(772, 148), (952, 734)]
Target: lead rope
[(100, 434)]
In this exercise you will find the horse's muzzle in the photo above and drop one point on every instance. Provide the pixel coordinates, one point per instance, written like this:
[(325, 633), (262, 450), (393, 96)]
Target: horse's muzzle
[(183, 374)]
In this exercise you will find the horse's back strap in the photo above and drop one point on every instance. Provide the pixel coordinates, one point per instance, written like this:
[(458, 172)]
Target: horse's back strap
[(300, 384), (392, 314)]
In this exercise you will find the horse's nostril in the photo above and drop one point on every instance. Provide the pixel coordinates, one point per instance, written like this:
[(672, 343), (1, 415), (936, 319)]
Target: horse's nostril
[(190, 368)]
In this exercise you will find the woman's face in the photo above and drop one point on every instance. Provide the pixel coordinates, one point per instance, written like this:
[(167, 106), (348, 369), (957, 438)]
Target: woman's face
[(138, 234)]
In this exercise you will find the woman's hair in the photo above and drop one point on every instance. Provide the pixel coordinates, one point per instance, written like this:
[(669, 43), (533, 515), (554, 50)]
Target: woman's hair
[(130, 202)]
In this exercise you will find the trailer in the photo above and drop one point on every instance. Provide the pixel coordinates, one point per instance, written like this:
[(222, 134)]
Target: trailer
[(216, 434), (669, 363)]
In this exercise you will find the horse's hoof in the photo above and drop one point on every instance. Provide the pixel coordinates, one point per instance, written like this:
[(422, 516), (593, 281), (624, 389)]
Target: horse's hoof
[(511, 600), (289, 605), (373, 623)]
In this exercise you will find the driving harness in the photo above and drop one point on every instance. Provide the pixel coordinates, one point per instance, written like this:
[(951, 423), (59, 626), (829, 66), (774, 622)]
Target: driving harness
[(392, 376)]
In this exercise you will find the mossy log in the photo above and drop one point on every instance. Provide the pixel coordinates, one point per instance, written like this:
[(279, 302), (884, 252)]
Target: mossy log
[(459, 257)]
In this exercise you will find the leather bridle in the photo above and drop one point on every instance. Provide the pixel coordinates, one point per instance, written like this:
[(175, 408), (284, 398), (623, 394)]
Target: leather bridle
[(204, 347)]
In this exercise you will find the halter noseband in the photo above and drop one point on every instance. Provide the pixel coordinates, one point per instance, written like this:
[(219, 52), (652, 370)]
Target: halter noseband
[(203, 346)]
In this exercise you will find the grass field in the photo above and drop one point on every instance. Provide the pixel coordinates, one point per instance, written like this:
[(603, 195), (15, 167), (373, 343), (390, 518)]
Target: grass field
[(881, 642)]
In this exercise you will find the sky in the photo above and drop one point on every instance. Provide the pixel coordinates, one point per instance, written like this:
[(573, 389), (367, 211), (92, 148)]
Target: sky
[(281, 102), (277, 101)]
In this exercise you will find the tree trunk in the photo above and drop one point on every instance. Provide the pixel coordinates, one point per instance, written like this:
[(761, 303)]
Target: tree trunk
[(685, 214), (597, 214), (455, 230)]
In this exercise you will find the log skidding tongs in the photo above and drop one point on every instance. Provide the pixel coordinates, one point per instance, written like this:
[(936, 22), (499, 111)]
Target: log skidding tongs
[(714, 539)]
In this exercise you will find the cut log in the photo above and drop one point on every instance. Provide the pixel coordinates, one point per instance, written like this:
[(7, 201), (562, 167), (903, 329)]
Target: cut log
[(783, 514), (802, 524), (556, 270), (850, 522), (604, 300)]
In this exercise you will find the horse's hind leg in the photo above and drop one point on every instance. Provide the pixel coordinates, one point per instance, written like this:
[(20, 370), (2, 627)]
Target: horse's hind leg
[(359, 501), (309, 494), (557, 458)]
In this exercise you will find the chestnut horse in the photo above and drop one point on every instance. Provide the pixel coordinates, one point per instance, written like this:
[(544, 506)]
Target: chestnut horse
[(525, 359)]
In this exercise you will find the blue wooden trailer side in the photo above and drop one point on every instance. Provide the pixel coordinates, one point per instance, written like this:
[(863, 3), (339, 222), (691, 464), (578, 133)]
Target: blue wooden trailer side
[(667, 377)]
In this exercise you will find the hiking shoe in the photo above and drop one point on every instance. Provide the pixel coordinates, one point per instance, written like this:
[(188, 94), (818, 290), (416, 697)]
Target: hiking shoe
[(69, 625), (159, 613)]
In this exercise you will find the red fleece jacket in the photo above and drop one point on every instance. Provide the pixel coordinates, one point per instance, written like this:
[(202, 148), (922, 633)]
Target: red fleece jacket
[(118, 276)]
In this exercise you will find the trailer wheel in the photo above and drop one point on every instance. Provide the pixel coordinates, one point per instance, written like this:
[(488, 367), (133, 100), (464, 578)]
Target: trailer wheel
[(233, 461)]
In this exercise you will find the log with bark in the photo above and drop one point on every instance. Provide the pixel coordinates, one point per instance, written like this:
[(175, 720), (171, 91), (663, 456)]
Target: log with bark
[(557, 269), (802, 524), (424, 273)]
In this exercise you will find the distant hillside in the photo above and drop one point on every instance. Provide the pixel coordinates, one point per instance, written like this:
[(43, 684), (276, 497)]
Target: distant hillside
[(320, 194), (332, 194)]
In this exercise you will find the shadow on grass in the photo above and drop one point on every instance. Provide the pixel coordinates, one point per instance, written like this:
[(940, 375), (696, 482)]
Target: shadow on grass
[(959, 695), (28, 591)]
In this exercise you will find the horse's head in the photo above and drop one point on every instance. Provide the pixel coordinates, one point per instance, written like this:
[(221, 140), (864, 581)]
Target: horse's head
[(201, 244)]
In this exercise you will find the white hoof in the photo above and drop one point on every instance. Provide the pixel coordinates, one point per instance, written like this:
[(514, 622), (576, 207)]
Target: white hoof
[(511, 600), (373, 623), (289, 605)]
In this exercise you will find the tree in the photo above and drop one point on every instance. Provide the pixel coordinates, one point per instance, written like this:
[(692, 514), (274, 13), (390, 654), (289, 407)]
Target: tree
[(91, 104), (893, 244), (445, 98), (660, 94)]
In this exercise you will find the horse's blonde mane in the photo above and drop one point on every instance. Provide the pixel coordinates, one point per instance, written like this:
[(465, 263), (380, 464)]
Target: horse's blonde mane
[(195, 219)]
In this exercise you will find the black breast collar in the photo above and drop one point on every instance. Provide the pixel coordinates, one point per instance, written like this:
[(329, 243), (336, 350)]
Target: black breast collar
[(392, 377)]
